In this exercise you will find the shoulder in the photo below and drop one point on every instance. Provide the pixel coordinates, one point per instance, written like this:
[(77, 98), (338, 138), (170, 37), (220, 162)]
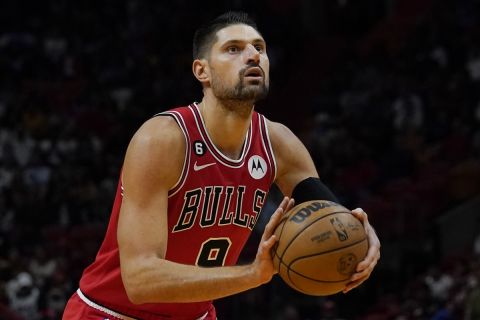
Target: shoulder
[(293, 159), (283, 140), (158, 131), (157, 150)]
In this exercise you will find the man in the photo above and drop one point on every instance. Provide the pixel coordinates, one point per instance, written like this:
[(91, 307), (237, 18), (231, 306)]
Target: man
[(194, 180)]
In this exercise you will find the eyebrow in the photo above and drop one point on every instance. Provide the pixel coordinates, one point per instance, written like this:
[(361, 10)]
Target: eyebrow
[(235, 41)]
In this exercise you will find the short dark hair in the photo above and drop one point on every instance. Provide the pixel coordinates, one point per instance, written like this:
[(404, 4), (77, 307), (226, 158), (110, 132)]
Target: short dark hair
[(206, 34)]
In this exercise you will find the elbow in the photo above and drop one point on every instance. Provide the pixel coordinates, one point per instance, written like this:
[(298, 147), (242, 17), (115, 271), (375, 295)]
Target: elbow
[(134, 297), (133, 291), (133, 286), (137, 277)]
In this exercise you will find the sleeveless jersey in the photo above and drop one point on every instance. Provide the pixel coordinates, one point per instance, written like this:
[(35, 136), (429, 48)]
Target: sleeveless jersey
[(212, 210)]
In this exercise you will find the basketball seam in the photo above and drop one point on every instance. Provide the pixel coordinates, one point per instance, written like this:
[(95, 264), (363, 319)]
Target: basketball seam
[(279, 236), (316, 280), (328, 251), (289, 269), (304, 276)]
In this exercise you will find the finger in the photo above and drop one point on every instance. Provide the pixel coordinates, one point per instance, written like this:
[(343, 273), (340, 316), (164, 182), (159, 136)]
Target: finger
[(280, 209), (358, 279), (275, 219), (269, 243), (365, 272), (353, 285), (290, 205), (284, 203), (373, 253), (270, 227), (265, 248), (360, 215)]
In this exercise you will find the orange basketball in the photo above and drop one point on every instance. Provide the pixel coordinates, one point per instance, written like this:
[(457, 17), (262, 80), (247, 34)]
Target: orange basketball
[(319, 246)]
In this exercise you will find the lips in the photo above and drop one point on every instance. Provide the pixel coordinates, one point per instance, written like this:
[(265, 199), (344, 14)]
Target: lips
[(254, 72)]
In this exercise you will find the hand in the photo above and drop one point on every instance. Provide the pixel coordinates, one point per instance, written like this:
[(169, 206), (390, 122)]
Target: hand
[(263, 265), (365, 267)]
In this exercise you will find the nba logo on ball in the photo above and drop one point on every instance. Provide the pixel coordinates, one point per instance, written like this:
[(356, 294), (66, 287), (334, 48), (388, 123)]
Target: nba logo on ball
[(257, 167)]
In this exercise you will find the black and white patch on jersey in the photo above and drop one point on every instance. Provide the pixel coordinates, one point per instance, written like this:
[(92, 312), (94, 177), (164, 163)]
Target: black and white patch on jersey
[(257, 167), (199, 147)]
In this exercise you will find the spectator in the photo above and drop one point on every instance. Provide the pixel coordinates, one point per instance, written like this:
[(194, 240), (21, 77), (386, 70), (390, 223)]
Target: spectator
[(23, 296), (439, 284), (472, 308), (41, 266)]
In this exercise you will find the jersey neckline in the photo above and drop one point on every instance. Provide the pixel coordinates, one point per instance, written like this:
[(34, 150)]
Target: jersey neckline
[(213, 148)]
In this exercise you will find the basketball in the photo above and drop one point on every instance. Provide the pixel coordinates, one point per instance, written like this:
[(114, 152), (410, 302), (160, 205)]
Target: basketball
[(319, 246)]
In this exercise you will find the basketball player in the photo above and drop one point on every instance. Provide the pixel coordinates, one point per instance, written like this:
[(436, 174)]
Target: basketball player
[(193, 183)]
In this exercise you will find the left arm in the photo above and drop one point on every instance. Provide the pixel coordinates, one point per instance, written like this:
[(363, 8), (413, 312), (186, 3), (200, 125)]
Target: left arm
[(294, 165)]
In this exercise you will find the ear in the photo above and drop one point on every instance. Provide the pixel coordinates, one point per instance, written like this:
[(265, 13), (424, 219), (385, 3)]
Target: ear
[(201, 70)]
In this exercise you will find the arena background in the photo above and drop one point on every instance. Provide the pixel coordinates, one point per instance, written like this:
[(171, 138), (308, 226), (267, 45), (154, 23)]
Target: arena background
[(385, 94)]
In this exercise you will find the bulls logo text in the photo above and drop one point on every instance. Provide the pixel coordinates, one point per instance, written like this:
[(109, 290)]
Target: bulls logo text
[(219, 205)]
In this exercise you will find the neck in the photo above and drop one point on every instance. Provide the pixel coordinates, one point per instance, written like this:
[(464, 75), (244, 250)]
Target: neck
[(227, 123)]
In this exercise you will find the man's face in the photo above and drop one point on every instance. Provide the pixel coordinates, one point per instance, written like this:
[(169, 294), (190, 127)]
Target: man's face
[(239, 66)]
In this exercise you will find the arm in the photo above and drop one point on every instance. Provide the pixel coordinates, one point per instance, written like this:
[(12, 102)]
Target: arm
[(153, 163), (294, 165)]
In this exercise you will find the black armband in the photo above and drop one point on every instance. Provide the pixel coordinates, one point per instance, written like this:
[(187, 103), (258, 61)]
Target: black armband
[(312, 189)]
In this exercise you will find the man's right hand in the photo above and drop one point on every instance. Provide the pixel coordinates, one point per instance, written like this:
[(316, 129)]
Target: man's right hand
[(263, 264)]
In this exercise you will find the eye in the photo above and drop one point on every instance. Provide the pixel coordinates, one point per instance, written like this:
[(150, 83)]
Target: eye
[(259, 48), (233, 49)]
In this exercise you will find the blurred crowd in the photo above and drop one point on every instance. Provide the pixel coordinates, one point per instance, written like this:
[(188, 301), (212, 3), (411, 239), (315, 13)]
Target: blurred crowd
[(392, 119)]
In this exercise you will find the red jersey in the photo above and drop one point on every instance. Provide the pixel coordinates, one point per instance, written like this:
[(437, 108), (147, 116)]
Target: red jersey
[(212, 210)]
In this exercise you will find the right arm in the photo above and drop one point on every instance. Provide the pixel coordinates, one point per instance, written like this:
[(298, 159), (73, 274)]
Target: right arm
[(152, 165)]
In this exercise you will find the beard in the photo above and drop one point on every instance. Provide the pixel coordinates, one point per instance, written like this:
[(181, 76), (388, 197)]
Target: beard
[(242, 91)]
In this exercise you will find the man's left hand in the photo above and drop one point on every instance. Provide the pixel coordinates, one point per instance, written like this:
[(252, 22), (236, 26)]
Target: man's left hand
[(366, 266)]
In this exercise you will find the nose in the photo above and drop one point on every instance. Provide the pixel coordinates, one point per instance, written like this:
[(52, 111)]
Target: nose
[(252, 55)]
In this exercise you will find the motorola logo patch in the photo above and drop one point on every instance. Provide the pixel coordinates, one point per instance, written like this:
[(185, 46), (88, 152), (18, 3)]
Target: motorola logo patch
[(257, 167)]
